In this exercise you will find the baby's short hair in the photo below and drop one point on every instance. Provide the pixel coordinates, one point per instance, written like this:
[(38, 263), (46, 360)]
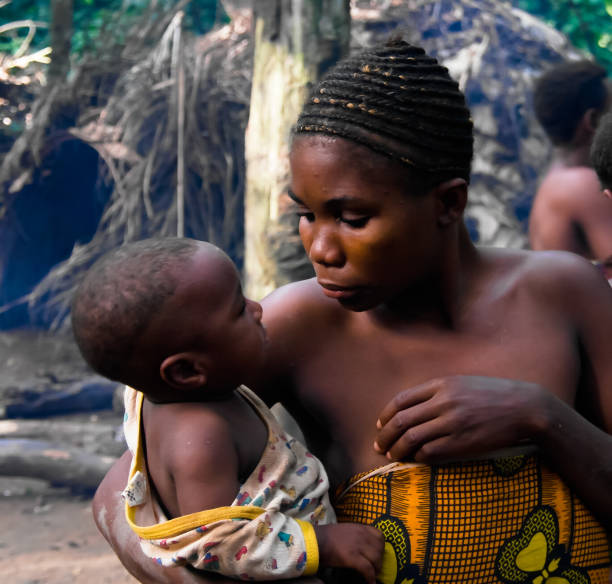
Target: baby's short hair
[(398, 101), (563, 95), (120, 294), (601, 151)]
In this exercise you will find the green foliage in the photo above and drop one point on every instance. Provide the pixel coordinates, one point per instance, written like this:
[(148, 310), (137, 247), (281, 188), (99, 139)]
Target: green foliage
[(93, 17), (587, 23)]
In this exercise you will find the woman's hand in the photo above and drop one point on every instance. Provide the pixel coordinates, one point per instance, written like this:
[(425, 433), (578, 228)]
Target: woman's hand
[(460, 417)]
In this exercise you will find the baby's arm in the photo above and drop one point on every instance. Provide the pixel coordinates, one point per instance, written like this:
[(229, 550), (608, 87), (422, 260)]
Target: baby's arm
[(109, 516), (247, 540), (216, 527), (203, 463), (351, 545)]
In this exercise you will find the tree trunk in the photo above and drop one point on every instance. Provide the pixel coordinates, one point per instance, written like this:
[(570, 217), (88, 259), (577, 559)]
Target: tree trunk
[(61, 36), (295, 42)]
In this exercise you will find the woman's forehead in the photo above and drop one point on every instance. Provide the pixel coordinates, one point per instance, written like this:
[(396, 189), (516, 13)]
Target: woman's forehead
[(344, 161)]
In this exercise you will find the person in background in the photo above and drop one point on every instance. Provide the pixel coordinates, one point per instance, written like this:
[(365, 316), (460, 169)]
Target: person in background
[(569, 212), (601, 159)]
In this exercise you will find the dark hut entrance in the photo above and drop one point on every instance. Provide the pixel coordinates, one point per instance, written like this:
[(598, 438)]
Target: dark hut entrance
[(59, 208)]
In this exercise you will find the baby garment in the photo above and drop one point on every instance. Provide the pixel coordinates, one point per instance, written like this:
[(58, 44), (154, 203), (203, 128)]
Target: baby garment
[(267, 532)]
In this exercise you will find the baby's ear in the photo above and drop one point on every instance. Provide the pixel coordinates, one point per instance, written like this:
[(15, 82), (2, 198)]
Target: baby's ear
[(184, 371)]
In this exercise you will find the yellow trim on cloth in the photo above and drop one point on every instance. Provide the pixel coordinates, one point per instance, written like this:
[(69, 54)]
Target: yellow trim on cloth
[(178, 525), (507, 520), (283, 511)]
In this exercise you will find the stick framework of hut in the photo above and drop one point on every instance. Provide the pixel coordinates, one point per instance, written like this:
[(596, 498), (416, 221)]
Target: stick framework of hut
[(127, 108), (176, 113)]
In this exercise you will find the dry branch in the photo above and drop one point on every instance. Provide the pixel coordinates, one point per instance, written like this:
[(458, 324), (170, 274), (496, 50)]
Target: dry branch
[(94, 438), (57, 464)]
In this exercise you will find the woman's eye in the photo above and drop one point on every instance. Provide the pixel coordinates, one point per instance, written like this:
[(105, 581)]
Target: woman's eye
[(306, 215), (355, 222)]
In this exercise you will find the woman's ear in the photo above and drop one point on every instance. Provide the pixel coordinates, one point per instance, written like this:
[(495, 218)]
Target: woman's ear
[(184, 371), (451, 197), (608, 193)]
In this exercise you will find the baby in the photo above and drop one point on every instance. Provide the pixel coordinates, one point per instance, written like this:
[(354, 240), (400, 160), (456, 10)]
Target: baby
[(215, 481)]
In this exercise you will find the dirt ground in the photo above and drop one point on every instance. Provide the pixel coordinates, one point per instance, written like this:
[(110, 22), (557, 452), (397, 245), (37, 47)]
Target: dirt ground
[(48, 535), (52, 539)]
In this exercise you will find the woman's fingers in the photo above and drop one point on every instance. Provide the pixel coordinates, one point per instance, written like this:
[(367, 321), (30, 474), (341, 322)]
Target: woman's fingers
[(406, 399)]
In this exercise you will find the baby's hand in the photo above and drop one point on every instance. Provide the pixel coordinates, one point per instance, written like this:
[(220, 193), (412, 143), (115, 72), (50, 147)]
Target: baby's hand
[(350, 545)]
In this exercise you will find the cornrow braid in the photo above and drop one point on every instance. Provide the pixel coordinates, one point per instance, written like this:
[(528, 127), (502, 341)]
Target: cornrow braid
[(400, 102)]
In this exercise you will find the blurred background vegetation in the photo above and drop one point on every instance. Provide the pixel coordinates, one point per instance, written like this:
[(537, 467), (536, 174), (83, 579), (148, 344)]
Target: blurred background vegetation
[(587, 23), (92, 17), (112, 94)]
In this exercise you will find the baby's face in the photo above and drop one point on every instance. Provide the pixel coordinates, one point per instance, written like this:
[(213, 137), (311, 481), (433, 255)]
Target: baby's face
[(221, 322)]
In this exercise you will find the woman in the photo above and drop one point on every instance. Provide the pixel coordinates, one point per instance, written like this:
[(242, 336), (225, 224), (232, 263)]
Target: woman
[(412, 345)]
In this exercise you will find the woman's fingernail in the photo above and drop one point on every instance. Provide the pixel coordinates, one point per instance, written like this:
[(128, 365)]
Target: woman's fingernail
[(388, 455), (377, 447), (378, 424)]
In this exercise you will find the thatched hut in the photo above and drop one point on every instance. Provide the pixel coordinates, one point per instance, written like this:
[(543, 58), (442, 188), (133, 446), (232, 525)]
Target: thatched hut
[(152, 142)]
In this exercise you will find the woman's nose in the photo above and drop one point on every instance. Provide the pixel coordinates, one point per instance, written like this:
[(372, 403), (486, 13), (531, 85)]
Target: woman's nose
[(325, 248)]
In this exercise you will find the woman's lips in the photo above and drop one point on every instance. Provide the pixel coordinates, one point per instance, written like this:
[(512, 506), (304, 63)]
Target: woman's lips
[(338, 292)]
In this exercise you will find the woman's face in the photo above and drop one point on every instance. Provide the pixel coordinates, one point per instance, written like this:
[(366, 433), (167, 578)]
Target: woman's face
[(368, 237)]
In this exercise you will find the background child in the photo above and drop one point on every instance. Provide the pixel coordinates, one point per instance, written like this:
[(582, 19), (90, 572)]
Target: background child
[(601, 159), (215, 481)]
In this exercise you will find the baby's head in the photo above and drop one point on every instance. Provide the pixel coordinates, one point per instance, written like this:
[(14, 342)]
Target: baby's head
[(167, 316)]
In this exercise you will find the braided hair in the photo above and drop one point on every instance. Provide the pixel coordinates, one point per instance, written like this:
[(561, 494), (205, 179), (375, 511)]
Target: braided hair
[(399, 102)]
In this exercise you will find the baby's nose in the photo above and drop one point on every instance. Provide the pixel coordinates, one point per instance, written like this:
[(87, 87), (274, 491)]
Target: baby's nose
[(256, 310)]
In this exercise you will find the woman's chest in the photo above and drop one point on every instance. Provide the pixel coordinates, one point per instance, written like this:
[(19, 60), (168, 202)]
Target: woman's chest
[(351, 378)]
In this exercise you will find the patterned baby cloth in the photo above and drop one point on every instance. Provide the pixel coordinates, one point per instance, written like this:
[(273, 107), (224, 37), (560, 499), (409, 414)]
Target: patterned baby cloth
[(267, 532)]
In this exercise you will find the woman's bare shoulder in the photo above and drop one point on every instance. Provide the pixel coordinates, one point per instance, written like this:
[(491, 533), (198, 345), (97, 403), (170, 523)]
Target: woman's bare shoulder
[(554, 278), (296, 303)]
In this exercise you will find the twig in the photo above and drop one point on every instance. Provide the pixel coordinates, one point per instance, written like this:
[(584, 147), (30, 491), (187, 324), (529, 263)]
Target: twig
[(41, 56), (22, 24), (18, 301), (146, 180), (178, 68), (25, 45)]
